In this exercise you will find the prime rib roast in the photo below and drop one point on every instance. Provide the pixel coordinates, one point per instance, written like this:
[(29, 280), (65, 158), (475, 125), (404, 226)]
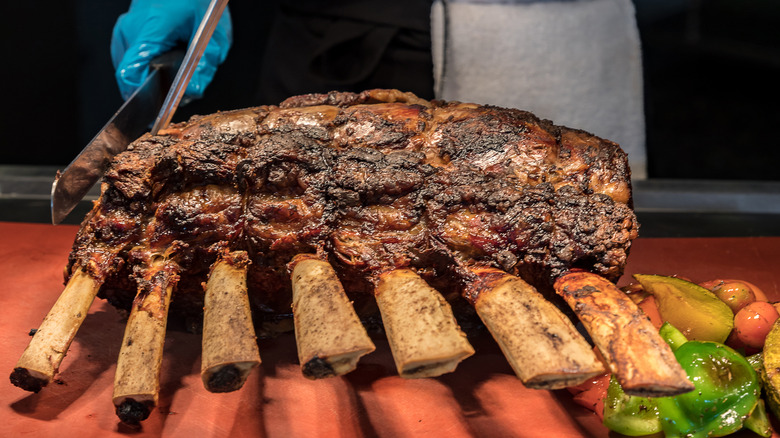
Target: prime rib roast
[(371, 181), (463, 199)]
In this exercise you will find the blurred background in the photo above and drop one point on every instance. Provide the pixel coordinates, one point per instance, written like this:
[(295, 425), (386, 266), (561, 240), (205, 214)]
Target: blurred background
[(711, 85)]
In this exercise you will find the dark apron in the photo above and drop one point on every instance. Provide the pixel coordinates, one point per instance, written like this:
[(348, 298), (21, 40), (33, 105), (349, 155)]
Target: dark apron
[(316, 46)]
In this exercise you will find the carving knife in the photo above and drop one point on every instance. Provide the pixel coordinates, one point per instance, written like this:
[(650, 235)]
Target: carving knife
[(133, 118)]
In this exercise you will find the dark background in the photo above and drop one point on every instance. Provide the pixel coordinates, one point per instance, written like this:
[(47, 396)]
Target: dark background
[(712, 81)]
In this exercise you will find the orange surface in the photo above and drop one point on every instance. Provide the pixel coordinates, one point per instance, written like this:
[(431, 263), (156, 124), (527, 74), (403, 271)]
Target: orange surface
[(481, 398)]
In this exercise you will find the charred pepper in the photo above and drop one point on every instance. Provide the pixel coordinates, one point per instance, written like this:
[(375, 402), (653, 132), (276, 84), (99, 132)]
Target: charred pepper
[(726, 395)]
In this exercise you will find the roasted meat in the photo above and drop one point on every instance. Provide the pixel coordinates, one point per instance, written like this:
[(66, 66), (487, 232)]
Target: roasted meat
[(371, 182), (343, 209)]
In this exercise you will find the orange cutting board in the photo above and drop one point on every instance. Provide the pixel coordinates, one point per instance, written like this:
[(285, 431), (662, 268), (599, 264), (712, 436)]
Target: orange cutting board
[(482, 398)]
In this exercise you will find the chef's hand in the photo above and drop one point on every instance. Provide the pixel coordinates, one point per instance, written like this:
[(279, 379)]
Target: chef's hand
[(152, 27)]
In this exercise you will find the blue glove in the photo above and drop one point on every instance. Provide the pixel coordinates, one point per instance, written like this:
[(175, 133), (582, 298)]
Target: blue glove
[(152, 27)]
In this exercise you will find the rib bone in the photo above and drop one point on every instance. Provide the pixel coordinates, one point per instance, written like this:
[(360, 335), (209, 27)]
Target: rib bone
[(137, 378), (229, 342), (541, 344), (42, 357), (643, 363), (329, 334), (424, 337)]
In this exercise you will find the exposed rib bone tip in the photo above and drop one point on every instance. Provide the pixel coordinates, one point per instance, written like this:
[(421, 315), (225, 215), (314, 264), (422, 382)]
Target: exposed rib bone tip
[(424, 337), (328, 333)]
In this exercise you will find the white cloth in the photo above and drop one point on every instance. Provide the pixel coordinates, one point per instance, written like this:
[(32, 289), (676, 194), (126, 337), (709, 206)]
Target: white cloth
[(577, 63)]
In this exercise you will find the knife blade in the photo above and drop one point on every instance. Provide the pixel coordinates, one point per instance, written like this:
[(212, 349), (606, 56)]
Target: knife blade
[(128, 123), (133, 118)]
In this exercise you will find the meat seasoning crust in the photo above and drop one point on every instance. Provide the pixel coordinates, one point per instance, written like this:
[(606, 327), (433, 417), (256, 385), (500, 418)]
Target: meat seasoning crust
[(343, 209), (372, 181)]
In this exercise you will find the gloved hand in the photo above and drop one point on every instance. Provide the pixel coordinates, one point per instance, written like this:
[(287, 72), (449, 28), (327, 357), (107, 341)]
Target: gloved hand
[(152, 27)]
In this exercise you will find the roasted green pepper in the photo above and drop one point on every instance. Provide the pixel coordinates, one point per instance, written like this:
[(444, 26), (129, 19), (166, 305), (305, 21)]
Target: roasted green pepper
[(629, 415), (726, 394)]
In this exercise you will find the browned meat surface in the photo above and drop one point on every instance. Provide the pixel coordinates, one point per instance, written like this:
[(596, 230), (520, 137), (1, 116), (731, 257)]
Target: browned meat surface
[(370, 182)]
